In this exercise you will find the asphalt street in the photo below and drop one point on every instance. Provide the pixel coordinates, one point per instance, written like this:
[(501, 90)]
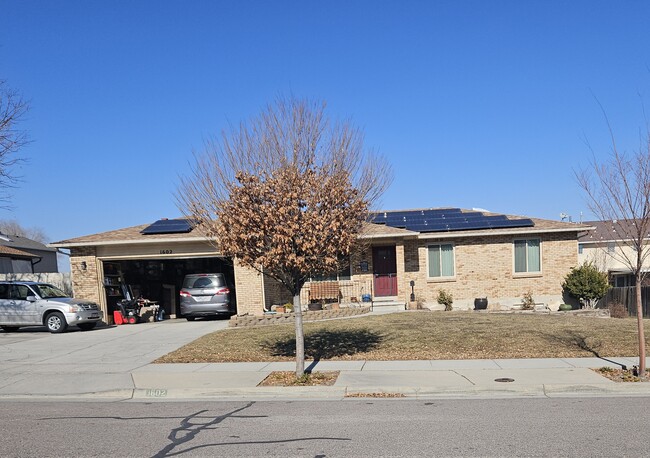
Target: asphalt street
[(585, 427)]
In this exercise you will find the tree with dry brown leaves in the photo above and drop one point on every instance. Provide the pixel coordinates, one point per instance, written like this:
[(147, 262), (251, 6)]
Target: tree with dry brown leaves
[(286, 194), (618, 190), (12, 109)]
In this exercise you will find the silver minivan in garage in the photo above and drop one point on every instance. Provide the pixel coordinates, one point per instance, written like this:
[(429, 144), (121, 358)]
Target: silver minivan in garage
[(41, 304), (206, 295)]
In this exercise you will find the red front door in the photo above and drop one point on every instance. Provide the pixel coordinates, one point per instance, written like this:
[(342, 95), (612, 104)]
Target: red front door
[(384, 270)]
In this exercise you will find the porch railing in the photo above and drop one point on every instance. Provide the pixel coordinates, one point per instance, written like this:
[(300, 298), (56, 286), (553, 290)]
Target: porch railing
[(349, 291)]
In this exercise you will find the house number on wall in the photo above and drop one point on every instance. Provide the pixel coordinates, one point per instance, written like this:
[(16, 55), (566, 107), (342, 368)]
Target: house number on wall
[(165, 251)]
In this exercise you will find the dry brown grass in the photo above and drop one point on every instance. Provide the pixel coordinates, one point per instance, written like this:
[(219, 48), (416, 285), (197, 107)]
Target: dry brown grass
[(288, 378), (621, 375), (422, 335)]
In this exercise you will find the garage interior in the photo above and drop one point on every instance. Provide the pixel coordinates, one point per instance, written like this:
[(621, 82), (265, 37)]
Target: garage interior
[(159, 280)]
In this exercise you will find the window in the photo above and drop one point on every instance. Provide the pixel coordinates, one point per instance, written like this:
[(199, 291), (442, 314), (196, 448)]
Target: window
[(48, 291), (581, 247), (611, 247), (20, 292), (624, 280), (4, 291), (441, 260), (527, 256)]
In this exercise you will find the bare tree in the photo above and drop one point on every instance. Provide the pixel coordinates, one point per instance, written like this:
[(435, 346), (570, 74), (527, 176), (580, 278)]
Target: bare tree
[(12, 109), (618, 190), (286, 194), (13, 227)]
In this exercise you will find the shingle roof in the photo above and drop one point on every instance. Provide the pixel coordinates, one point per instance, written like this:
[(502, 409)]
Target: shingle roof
[(128, 234), (380, 230), (15, 252), (23, 243), (133, 234), (539, 225), (611, 230)]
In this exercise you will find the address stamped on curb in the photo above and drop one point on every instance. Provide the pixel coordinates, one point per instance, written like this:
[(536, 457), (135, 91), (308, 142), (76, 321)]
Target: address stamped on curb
[(156, 393)]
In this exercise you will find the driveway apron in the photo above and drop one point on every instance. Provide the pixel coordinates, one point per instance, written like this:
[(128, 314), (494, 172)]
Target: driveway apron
[(33, 361)]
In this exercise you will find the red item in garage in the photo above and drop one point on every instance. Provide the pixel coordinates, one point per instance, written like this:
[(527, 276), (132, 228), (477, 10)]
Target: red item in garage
[(118, 318), (132, 320)]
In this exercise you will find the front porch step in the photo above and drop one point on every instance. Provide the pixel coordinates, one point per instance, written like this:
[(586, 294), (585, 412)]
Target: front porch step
[(388, 304)]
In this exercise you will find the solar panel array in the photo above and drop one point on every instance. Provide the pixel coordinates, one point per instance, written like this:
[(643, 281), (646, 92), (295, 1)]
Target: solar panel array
[(169, 226), (447, 220)]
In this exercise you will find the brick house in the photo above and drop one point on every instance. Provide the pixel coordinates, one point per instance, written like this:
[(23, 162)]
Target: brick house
[(471, 254)]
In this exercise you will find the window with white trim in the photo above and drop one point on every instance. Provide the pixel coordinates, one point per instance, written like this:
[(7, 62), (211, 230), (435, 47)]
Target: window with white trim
[(528, 257), (441, 260)]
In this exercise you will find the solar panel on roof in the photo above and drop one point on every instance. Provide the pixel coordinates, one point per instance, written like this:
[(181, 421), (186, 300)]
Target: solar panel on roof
[(522, 222), (169, 226), (446, 220)]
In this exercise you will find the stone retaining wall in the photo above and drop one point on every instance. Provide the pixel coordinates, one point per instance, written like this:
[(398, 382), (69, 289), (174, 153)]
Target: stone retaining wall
[(285, 318)]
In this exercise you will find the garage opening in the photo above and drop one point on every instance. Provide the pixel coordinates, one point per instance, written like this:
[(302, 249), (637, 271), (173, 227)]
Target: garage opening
[(159, 280)]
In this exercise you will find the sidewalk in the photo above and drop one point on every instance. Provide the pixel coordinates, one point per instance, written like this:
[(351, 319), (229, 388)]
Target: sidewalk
[(477, 379), (412, 379)]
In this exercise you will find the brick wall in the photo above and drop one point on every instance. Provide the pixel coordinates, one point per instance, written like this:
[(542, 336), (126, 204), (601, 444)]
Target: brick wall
[(485, 268), (249, 288), (85, 282)]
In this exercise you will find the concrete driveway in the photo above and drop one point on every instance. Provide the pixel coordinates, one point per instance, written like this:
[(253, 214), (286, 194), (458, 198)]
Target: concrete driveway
[(34, 361)]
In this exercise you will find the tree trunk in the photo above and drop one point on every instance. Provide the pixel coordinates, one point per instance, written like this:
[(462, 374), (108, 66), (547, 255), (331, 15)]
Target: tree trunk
[(639, 320), (300, 337)]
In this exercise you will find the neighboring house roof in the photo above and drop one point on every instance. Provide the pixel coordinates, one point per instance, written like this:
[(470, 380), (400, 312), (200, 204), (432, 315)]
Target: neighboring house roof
[(133, 234), (608, 231), (16, 253), (23, 244)]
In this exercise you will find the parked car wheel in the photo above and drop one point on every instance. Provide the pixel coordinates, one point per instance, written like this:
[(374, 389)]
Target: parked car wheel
[(55, 322), (86, 326), (190, 318), (9, 328)]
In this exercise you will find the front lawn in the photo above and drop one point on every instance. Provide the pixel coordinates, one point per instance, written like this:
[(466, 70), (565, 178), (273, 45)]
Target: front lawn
[(422, 335)]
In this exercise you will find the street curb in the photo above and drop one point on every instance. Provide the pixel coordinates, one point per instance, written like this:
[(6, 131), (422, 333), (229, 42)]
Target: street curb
[(109, 395), (303, 392), (344, 392)]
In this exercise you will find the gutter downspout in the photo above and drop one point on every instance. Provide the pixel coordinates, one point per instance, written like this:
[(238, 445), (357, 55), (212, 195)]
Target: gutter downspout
[(34, 263)]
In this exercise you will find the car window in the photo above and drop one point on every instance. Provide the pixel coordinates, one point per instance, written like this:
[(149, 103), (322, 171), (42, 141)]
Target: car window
[(4, 291), (20, 292), (49, 291), (204, 282)]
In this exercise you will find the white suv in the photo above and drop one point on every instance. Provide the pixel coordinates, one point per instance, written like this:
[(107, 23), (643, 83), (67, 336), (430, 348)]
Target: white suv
[(40, 304)]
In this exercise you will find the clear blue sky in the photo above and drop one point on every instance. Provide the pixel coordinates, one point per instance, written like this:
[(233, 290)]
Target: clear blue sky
[(476, 103)]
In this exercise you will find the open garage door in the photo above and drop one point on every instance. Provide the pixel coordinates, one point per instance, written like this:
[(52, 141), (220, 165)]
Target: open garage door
[(159, 280)]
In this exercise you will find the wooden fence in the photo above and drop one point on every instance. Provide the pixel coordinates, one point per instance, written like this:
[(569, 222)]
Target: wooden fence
[(627, 297)]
